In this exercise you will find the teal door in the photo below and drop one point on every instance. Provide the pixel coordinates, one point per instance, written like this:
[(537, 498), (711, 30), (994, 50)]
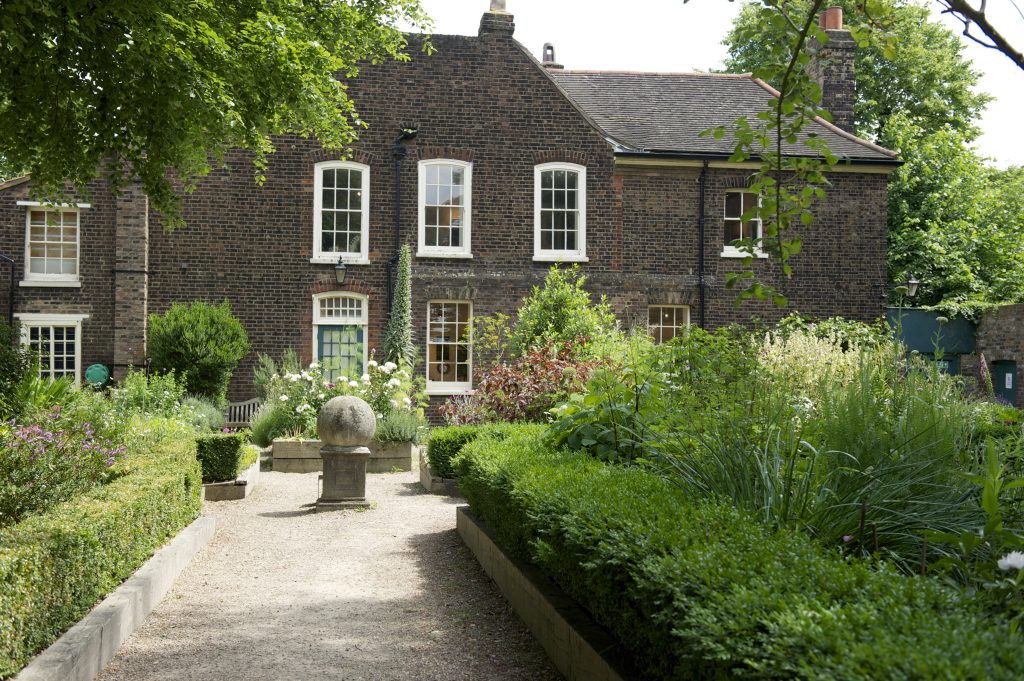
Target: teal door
[(341, 350), (1004, 380)]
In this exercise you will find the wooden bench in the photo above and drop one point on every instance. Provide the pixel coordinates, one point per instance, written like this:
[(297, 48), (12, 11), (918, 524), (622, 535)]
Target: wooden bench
[(239, 414)]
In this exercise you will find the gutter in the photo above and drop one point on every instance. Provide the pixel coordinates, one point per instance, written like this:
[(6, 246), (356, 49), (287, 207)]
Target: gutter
[(722, 156)]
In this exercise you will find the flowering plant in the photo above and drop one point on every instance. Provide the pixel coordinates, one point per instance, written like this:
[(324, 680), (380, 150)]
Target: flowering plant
[(296, 398), (49, 462)]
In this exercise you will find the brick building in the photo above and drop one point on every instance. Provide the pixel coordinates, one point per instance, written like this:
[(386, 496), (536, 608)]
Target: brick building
[(512, 165)]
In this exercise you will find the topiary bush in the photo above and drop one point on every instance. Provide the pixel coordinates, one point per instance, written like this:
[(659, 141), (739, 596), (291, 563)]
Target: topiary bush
[(695, 589), (202, 343), (219, 455)]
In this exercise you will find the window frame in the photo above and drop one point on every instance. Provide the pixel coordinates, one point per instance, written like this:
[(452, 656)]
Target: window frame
[(321, 256), (52, 280), (450, 387), (27, 320), (465, 250), (662, 306), (730, 251), (319, 320), (578, 254)]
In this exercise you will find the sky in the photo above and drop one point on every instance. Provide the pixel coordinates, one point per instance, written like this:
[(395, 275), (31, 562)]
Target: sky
[(673, 36)]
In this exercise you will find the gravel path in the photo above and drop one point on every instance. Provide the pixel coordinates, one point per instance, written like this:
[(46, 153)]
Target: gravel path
[(285, 593)]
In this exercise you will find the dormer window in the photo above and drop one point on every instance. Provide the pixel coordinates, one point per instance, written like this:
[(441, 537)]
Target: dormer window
[(341, 216)]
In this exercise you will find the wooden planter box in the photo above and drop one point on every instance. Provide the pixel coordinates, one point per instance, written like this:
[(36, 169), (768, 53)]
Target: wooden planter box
[(303, 456)]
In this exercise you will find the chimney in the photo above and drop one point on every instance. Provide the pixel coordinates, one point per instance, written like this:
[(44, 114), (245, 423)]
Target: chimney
[(548, 59), (832, 66), (497, 21)]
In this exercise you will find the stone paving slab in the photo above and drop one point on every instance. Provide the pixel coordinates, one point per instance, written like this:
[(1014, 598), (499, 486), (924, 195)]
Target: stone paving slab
[(285, 593)]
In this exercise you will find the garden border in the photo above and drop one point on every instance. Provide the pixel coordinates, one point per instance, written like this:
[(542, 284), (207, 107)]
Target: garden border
[(579, 647), (85, 649)]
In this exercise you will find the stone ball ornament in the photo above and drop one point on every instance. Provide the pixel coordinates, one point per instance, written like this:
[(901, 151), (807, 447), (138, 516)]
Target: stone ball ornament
[(346, 421)]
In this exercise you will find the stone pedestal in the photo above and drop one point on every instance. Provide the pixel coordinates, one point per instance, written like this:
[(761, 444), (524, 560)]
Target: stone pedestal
[(346, 425), (344, 478)]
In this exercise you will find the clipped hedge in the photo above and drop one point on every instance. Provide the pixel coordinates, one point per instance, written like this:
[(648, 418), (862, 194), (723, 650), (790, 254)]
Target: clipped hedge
[(219, 455), (696, 590), (445, 443), (57, 565)]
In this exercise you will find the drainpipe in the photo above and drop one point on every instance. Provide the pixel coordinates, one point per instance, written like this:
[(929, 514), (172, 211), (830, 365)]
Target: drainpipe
[(701, 283), (398, 153), (10, 293)]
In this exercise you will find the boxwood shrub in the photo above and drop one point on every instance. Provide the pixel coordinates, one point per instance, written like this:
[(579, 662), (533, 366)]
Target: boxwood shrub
[(693, 589), (445, 443), (57, 565), (219, 455)]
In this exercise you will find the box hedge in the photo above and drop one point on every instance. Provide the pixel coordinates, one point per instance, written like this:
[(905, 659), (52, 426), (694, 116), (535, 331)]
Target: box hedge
[(446, 443), (219, 455), (693, 589), (54, 567)]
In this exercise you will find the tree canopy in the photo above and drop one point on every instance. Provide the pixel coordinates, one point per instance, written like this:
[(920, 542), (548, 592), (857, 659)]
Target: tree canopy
[(925, 79), (953, 222), (160, 89)]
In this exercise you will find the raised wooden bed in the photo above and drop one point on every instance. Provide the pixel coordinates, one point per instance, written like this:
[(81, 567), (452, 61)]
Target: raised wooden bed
[(303, 456)]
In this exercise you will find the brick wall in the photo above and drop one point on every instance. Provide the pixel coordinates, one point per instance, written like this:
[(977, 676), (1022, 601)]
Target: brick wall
[(1001, 337), (96, 264), (486, 101)]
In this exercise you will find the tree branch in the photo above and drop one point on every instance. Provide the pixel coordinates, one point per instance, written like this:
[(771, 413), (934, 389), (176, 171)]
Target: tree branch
[(968, 15)]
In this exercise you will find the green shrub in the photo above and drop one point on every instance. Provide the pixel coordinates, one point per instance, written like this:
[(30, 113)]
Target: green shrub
[(560, 311), (272, 420), (15, 362), (445, 443), (219, 455), (249, 455), (203, 414), (696, 589), (154, 394), (267, 370), (54, 567), (399, 425), (202, 343)]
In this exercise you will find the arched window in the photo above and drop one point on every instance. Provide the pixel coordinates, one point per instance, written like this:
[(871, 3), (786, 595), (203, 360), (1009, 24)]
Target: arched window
[(339, 334)]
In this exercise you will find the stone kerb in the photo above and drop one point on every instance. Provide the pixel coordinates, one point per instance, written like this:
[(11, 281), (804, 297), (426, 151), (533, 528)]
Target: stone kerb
[(345, 425)]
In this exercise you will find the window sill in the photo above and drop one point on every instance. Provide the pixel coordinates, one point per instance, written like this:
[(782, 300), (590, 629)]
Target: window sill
[(51, 283), (445, 254), (326, 260), (560, 257), (730, 252), (449, 391)]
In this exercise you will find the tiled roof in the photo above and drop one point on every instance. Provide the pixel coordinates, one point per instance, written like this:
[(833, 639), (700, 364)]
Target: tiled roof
[(666, 112)]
